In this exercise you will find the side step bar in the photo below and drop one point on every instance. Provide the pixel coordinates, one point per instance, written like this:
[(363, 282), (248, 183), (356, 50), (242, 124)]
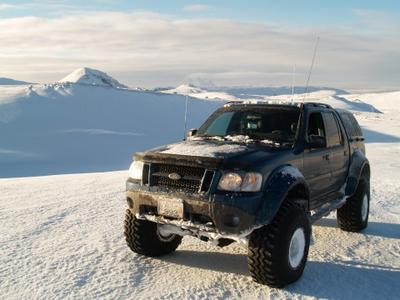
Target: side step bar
[(327, 208)]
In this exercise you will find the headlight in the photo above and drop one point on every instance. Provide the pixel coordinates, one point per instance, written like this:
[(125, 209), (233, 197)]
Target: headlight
[(136, 170), (237, 182), (230, 182)]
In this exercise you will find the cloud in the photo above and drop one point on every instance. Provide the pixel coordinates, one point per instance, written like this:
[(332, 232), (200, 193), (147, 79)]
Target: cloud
[(368, 13), (7, 6), (149, 49), (196, 8)]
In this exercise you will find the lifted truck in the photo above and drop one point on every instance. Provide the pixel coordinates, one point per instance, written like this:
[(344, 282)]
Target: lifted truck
[(259, 174)]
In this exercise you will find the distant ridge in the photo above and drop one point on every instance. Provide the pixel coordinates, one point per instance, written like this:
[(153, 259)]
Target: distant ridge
[(9, 81), (88, 76)]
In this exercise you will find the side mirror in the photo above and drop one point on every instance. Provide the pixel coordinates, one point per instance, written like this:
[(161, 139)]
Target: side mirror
[(191, 133), (316, 141)]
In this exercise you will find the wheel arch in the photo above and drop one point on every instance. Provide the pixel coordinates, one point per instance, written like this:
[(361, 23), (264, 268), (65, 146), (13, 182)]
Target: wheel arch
[(359, 167), (285, 182)]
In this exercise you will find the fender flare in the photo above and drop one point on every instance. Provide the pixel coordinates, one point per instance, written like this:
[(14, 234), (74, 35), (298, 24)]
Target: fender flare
[(278, 186), (358, 164)]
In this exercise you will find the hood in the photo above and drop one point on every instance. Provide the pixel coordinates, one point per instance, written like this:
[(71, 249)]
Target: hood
[(206, 152)]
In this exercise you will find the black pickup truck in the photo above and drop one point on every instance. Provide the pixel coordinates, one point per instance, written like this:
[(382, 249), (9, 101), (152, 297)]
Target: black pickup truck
[(255, 173)]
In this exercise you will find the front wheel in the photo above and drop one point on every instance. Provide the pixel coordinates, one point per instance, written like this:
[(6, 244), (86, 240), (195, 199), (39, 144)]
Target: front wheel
[(278, 252), (143, 237)]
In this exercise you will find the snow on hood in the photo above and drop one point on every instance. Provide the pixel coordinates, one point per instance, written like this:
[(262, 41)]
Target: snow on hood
[(202, 149), (89, 76)]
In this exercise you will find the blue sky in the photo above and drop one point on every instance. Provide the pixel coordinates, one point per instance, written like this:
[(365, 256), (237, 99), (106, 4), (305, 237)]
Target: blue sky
[(308, 12), (151, 43)]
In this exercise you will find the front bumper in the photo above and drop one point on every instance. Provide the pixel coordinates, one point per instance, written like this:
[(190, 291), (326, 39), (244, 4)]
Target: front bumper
[(215, 213)]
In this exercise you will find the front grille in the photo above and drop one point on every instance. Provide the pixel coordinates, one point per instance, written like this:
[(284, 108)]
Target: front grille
[(190, 180)]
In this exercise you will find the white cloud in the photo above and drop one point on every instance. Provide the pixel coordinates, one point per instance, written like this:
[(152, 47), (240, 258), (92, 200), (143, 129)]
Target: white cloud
[(195, 8), (148, 49), (7, 6)]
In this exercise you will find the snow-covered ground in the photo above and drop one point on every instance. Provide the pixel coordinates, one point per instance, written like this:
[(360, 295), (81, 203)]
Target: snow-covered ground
[(61, 236)]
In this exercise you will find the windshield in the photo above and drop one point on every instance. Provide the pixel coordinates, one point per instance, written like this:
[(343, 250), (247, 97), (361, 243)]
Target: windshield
[(260, 124)]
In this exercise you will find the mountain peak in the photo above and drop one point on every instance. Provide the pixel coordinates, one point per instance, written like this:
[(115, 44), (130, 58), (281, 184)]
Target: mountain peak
[(185, 89), (88, 76)]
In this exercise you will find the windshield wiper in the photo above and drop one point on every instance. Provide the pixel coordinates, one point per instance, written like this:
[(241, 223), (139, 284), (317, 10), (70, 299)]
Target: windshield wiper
[(207, 137)]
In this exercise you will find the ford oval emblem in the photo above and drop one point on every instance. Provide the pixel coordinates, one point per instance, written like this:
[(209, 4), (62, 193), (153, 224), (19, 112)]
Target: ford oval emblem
[(174, 176)]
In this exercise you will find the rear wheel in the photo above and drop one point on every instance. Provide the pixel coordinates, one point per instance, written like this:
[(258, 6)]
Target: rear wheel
[(278, 252), (353, 216), (143, 237)]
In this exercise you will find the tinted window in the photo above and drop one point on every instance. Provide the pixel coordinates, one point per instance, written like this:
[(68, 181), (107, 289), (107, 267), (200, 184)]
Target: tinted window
[(332, 130), (219, 125), (350, 124), (257, 123), (316, 125)]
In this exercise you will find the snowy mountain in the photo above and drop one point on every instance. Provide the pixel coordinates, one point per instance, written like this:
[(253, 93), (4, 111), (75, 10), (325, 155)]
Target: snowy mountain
[(337, 98), (80, 124), (200, 93), (87, 76), (255, 92), (238, 93), (68, 128), (9, 81), (185, 89), (330, 97)]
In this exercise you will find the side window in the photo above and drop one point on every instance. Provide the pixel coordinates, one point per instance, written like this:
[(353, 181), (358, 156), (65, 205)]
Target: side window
[(332, 130), (357, 129), (350, 124), (316, 125)]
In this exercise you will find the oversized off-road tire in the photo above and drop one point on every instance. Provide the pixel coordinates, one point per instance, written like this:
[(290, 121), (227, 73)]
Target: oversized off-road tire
[(353, 216), (277, 253), (143, 237)]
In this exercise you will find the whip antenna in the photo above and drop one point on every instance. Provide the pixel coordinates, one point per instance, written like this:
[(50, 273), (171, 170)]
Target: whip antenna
[(311, 68), (185, 118), (293, 81)]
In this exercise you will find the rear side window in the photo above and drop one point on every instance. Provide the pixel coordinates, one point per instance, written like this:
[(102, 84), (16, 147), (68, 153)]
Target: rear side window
[(332, 130), (350, 124)]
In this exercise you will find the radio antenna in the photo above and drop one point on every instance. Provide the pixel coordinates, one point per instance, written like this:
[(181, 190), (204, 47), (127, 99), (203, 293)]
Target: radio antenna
[(185, 118), (293, 81), (311, 68)]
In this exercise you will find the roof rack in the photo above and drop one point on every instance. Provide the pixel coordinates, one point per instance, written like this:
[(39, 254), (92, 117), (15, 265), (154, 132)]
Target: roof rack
[(235, 102), (317, 104), (261, 102)]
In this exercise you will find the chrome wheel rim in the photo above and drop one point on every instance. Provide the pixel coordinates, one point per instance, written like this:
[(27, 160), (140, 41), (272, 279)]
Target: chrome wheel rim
[(297, 247), (364, 208)]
